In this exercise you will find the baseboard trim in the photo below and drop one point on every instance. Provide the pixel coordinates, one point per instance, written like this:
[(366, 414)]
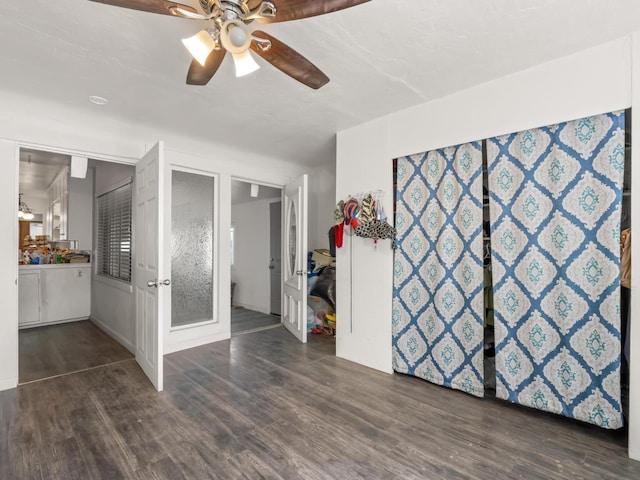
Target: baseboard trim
[(113, 334), (196, 342), (8, 383), (53, 322)]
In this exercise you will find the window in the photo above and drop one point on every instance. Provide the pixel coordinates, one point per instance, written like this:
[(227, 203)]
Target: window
[(114, 233)]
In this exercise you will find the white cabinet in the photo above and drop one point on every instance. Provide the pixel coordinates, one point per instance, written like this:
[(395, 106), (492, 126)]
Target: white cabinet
[(54, 293), (29, 298)]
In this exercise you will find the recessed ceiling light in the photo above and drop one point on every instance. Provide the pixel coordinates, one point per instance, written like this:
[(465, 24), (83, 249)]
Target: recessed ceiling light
[(98, 100)]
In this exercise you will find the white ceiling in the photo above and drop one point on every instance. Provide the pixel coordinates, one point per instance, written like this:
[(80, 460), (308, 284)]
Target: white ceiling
[(381, 56), (38, 170)]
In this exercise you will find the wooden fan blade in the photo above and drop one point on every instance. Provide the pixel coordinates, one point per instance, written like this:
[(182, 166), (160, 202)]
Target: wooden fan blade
[(294, 9), (287, 60), (199, 75), (153, 6)]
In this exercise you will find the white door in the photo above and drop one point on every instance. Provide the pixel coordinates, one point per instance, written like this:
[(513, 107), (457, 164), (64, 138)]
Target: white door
[(150, 286), (294, 315), (275, 260)]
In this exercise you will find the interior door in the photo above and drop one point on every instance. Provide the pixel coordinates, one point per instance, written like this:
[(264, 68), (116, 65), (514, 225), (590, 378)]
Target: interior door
[(275, 253), (150, 287), (294, 315)]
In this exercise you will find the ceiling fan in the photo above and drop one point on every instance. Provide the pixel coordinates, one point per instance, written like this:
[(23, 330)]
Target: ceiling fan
[(230, 32)]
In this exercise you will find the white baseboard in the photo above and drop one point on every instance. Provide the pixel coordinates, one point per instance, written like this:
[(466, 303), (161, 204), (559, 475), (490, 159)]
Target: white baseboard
[(8, 383), (113, 334), (196, 342), (55, 322)]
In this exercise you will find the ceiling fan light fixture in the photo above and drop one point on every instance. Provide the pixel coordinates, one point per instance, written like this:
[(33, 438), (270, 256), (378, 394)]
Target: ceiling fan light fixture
[(244, 63), (200, 45), (238, 37)]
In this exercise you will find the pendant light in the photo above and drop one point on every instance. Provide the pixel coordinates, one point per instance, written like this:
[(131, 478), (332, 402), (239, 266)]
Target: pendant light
[(24, 212)]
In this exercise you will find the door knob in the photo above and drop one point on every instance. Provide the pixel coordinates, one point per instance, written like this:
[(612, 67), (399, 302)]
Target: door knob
[(156, 283), (165, 282), (152, 283)]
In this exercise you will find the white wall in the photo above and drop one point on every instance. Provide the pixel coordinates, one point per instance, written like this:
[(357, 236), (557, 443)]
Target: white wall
[(322, 203), (37, 203), (250, 269), (363, 293), (591, 82), (108, 175), (634, 386), (9, 269), (112, 301), (80, 211)]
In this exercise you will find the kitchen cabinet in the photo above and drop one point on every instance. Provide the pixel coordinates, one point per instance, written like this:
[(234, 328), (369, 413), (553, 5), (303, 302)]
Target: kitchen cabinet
[(29, 298), (54, 293)]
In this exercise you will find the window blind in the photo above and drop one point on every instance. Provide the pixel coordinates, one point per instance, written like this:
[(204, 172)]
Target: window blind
[(114, 233)]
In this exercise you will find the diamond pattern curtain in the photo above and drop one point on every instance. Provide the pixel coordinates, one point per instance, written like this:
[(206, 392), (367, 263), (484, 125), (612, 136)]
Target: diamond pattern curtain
[(438, 269), (555, 205)]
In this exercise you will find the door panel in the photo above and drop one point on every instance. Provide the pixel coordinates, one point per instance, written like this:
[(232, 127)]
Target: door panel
[(275, 264), (295, 257), (192, 249), (149, 285)]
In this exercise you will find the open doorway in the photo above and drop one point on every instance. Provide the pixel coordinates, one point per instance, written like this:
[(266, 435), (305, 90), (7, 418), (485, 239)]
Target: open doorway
[(69, 319), (256, 263)]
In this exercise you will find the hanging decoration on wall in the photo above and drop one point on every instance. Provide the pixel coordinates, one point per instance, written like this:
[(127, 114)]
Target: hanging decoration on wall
[(438, 301), (555, 203), (365, 216)]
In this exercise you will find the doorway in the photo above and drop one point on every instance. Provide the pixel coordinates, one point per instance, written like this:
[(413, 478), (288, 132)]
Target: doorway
[(58, 287), (256, 256)]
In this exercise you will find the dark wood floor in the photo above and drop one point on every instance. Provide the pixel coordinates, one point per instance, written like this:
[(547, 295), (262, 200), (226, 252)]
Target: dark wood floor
[(244, 320), (70, 347), (265, 406)]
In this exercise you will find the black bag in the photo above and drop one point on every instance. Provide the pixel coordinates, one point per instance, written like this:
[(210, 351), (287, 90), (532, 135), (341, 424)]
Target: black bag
[(325, 286)]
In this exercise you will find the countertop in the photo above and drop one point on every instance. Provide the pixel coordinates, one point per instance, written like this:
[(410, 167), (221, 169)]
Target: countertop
[(51, 266)]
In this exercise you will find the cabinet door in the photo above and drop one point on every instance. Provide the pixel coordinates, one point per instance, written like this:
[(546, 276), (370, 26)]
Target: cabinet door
[(29, 298), (66, 294)]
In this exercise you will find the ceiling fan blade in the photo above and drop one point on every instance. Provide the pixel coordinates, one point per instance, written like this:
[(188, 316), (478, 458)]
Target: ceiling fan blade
[(153, 6), (294, 9), (199, 75), (287, 60)]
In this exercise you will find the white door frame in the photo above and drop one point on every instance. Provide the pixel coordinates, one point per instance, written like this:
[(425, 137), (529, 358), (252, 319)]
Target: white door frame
[(263, 183), (14, 236), (207, 331)]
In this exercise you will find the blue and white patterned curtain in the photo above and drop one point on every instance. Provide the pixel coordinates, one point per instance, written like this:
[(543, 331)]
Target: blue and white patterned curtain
[(555, 204), (438, 269)]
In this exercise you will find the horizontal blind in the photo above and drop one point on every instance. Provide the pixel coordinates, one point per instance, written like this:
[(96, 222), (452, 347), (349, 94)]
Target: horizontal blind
[(114, 233)]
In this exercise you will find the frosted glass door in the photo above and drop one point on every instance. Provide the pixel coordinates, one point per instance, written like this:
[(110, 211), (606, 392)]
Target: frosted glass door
[(192, 220)]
